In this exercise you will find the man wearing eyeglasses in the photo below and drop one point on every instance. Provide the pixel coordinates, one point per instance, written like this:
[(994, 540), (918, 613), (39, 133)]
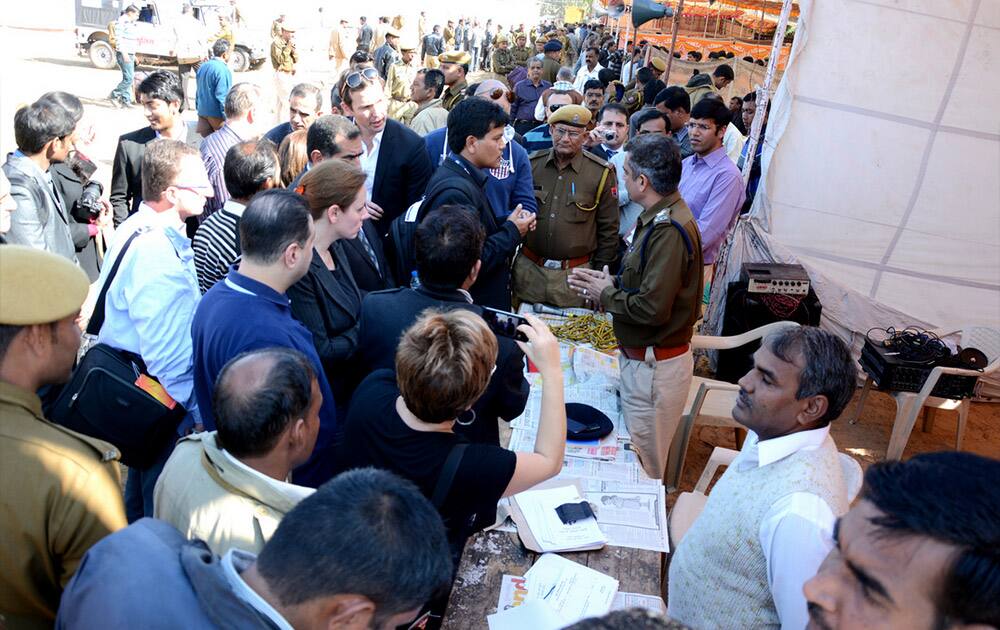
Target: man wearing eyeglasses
[(710, 182), (577, 214), (151, 300)]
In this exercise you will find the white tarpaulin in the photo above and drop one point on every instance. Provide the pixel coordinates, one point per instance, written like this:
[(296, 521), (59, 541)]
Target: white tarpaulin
[(882, 165)]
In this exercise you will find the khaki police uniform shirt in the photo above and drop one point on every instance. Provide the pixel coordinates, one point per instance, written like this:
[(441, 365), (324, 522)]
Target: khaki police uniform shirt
[(61, 495), (454, 94), (550, 68), (568, 224), (503, 61), (521, 54), (658, 304), (397, 89), (283, 55)]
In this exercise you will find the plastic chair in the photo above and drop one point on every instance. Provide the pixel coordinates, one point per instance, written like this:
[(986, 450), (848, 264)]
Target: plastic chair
[(689, 505), (710, 402), (909, 404)]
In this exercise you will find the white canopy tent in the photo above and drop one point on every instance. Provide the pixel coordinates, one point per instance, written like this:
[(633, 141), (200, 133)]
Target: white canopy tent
[(882, 166)]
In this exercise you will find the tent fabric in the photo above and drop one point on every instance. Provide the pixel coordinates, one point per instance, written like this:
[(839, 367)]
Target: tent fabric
[(882, 166)]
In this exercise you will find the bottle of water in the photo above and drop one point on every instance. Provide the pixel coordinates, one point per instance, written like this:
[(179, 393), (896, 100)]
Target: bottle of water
[(414, 280)]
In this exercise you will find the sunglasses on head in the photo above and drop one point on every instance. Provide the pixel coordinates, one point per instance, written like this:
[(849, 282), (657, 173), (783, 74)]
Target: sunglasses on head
[(354, 80), (553, 108)]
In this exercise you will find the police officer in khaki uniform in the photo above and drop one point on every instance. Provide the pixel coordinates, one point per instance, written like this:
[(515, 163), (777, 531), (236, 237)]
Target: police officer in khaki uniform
[(61, 490), (284, 58), (400, 78), (454, 65), (521, 50), (654, 301), (577, 214)]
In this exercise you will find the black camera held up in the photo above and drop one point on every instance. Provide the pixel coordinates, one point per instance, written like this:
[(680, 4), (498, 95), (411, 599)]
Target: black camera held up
[(90, 199)]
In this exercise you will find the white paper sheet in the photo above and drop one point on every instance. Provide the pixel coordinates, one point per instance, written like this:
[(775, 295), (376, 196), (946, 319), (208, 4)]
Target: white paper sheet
[(539, 510), (537, 615), (635, 600), (571, 589)]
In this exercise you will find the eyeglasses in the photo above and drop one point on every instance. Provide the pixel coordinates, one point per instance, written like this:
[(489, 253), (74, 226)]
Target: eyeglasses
[(563, 132), (204, 190), (555, 108), (501, 92), (693, 125), (354, 80)]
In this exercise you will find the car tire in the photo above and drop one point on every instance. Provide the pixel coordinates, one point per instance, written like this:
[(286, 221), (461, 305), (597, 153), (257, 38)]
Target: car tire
[(239, 60), (102, 55)]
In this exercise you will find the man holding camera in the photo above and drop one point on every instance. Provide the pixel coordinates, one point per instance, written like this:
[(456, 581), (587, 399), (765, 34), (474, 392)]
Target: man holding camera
[(577, 214), (611, 132)]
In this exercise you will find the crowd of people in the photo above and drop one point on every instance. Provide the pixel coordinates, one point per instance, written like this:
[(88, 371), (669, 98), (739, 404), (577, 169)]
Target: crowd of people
[(305, 303)]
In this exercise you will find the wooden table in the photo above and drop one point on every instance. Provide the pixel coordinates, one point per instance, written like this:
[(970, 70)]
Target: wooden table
[(489, 555)]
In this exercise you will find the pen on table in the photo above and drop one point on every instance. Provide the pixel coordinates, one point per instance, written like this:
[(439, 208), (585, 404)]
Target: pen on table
[(550, 592)]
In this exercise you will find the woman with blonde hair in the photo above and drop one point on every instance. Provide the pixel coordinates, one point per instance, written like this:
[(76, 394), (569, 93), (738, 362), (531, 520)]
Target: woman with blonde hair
[(292, 156), (327, 300), (404, 421)]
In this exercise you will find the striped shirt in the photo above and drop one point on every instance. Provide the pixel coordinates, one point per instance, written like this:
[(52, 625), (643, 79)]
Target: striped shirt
[(213, 154), (217, 245)]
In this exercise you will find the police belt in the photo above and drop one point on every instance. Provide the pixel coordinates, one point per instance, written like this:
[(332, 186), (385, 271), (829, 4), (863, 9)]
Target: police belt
[(659, 353), (554, 264)]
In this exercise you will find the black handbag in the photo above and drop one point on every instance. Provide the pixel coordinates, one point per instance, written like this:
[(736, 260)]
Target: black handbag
[(103, 400)]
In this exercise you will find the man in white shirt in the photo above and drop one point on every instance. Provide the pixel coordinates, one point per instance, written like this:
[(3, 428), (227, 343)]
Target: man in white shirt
[(768, 522), (589, 70), (229, 487)]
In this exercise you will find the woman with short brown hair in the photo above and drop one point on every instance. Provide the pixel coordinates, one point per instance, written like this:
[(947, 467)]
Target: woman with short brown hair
[(404, 421)]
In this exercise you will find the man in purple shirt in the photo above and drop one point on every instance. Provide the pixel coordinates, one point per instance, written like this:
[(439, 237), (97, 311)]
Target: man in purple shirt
[(710, 183), (526, 95), (241, 109)]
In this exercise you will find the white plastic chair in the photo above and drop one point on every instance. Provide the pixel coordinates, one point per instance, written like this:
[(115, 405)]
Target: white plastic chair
[(689, 505), (909, 404), (710, 402)]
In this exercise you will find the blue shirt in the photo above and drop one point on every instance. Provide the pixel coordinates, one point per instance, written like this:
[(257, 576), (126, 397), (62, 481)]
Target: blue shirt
[(507, 185), (526, 96), (538, 139), (151, 303), (241, 314), (214, 79), (277, 134)]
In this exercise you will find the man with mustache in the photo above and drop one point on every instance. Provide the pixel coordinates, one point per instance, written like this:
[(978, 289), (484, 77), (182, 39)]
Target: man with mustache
[(919, 550), (769, 520)]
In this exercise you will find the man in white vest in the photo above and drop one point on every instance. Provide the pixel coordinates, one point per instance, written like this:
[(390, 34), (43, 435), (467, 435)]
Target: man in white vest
[(768, 523), (919, 550)]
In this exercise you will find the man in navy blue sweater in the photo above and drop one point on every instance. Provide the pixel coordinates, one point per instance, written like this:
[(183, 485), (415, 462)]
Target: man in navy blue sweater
[(249, 310)]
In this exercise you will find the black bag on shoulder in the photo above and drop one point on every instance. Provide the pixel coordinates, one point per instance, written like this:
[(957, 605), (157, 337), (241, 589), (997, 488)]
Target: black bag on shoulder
[(102, 399)]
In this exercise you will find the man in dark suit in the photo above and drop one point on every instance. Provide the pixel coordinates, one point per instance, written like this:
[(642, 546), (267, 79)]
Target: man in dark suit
[(475, 142), (611, 132), (448, 245), (161, 95), (397, 175)]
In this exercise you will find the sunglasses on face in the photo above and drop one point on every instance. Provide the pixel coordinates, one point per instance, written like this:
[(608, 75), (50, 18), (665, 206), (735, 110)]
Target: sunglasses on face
[(499, 93)]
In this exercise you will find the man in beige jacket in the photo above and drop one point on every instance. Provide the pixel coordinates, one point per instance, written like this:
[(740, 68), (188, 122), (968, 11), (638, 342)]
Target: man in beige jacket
[(230, 487), (339, 49)]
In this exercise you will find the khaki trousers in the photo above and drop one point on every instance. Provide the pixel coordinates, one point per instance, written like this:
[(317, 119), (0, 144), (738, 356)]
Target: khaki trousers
[(653, 397), (283, 84), (430, 61)]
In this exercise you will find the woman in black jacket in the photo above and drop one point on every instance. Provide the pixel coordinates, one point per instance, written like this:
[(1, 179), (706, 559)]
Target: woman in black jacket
[(327, 300)]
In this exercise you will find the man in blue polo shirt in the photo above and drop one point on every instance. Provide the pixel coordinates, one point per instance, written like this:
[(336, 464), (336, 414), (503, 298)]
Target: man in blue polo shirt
[(249, 310)]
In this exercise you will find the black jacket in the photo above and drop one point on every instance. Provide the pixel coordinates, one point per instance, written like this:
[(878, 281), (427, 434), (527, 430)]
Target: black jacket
[(401, 172), (70, 188), (458, 182), (385, 315), (366, 275), (330, 310), (126, 172)]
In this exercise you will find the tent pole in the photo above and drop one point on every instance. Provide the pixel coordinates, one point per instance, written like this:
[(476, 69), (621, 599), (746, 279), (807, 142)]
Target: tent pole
[(673, 38), (764, 91)]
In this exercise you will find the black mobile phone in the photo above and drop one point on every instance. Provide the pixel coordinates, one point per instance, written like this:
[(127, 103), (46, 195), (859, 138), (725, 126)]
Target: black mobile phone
[(505, 324)]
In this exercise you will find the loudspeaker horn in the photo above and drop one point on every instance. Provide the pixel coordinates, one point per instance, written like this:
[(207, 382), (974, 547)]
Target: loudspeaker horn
[(645, 10)]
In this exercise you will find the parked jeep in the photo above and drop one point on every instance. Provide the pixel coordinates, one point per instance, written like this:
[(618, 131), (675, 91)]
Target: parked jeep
[(157, 34)]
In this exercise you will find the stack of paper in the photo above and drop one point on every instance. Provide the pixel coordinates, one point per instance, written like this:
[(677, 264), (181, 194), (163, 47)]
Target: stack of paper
[(542, 530), (572, 590)]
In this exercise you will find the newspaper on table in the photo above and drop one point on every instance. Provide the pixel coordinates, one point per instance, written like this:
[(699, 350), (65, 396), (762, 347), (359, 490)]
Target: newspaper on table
[(653, 603)]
